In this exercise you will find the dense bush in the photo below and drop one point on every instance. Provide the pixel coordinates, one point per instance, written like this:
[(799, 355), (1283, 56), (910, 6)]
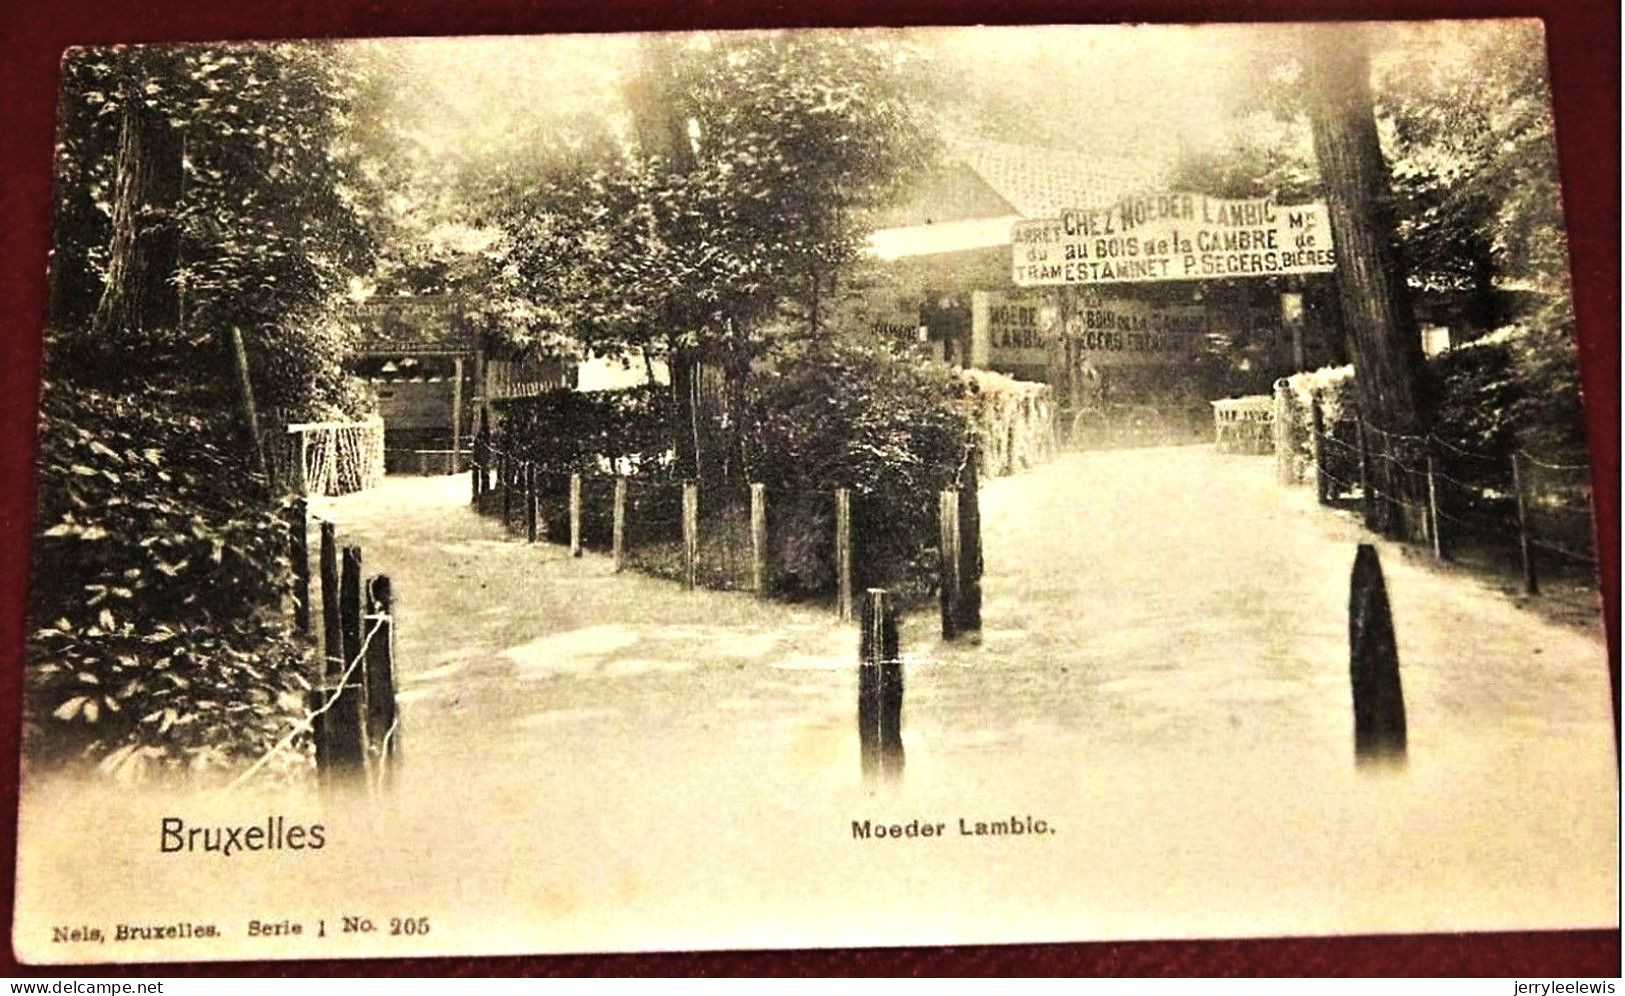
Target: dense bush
[(846, 414), (157, 638), (1517, 387), (567, 431)]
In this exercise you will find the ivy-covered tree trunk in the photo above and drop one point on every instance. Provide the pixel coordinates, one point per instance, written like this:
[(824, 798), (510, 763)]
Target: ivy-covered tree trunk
[(1482, 312), (140, 292), (1379, 323)]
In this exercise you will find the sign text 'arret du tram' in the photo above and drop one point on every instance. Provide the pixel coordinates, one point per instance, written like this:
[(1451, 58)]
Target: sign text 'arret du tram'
[(1173, 236)]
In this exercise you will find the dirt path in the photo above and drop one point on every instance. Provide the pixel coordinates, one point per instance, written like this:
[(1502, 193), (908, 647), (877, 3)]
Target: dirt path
[(598, 762), (1172, 597), (1163, 678)]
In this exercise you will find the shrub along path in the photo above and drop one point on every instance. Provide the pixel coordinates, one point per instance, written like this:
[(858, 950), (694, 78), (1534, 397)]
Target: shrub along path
[(610, 761)]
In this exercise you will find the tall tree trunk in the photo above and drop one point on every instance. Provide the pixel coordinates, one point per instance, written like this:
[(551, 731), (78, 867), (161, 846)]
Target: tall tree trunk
[(812, 302), (658, 119), (662, 130), (1380, 326), (140, 293), (1481, 304)]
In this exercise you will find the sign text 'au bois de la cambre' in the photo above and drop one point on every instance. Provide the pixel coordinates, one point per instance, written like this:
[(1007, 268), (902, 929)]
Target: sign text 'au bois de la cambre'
[(1173, 236)]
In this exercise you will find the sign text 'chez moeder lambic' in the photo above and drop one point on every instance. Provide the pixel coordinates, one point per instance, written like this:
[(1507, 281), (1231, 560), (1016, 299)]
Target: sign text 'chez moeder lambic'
[(1173, 237), (1010, 331)]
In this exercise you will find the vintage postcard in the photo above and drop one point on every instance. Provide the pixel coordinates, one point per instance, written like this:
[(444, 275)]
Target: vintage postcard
[(791, 489)]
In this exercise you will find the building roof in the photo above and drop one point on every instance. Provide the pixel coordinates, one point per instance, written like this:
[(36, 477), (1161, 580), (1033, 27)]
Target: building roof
[(1034, 182), (1041, 183)]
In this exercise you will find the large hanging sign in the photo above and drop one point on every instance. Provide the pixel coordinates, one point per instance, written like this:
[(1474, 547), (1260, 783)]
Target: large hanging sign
[(425, 324), (1173, 237), (1017, 331)]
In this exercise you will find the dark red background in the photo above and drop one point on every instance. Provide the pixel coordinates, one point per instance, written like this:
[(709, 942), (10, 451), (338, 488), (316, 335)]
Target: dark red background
[(1584, 44)]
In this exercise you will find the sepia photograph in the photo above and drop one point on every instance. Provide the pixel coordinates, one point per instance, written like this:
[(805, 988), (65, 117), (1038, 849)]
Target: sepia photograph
[(810, 488)]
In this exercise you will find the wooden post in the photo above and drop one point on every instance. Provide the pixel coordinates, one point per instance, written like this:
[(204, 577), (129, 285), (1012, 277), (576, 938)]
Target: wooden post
[(503, 480), (1531, 584), (948, 561), (456, 413), (477, 394), (332, 632), (320, 736), (347, 717), (1281, 427), (245, 394), (299, 554), (843, 553), (1434, 532), (758, 539), (1368, 506), (345, 730), (691, 533), (1317, 440), (301, 482), (575, 515), (476, 471), (350, 604), (618, 537), (383, 736), (968, 615), (532, 500), (1379, 701), (486, 434), (880, 687)]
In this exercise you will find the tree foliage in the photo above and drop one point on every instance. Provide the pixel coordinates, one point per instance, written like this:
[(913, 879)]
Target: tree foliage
[(1474, 156), (274, 210), (782, 141), (158, 638)]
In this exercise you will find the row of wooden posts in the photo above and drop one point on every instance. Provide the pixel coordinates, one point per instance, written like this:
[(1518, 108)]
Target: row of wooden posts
[(355, 722), (1374, 683), (959, 545), (1433, 520)]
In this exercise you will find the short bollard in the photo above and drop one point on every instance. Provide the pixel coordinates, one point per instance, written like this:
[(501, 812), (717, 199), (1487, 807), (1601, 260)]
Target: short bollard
[(880, 688), (948, 561), (383, 734), (575, 515), (968, 616), (691, 535), (1379, 701), (332, 629), (618, 536)]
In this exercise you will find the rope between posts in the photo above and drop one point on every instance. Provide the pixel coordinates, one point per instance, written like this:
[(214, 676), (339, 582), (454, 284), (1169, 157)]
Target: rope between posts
[(1459, 451), (1583, 558), (1552, 466), (308, 720), (1328, 435), (1458, 482), (383, 750)]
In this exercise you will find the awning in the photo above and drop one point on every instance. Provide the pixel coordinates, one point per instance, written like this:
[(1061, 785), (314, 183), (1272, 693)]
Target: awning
[(942, 237)]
